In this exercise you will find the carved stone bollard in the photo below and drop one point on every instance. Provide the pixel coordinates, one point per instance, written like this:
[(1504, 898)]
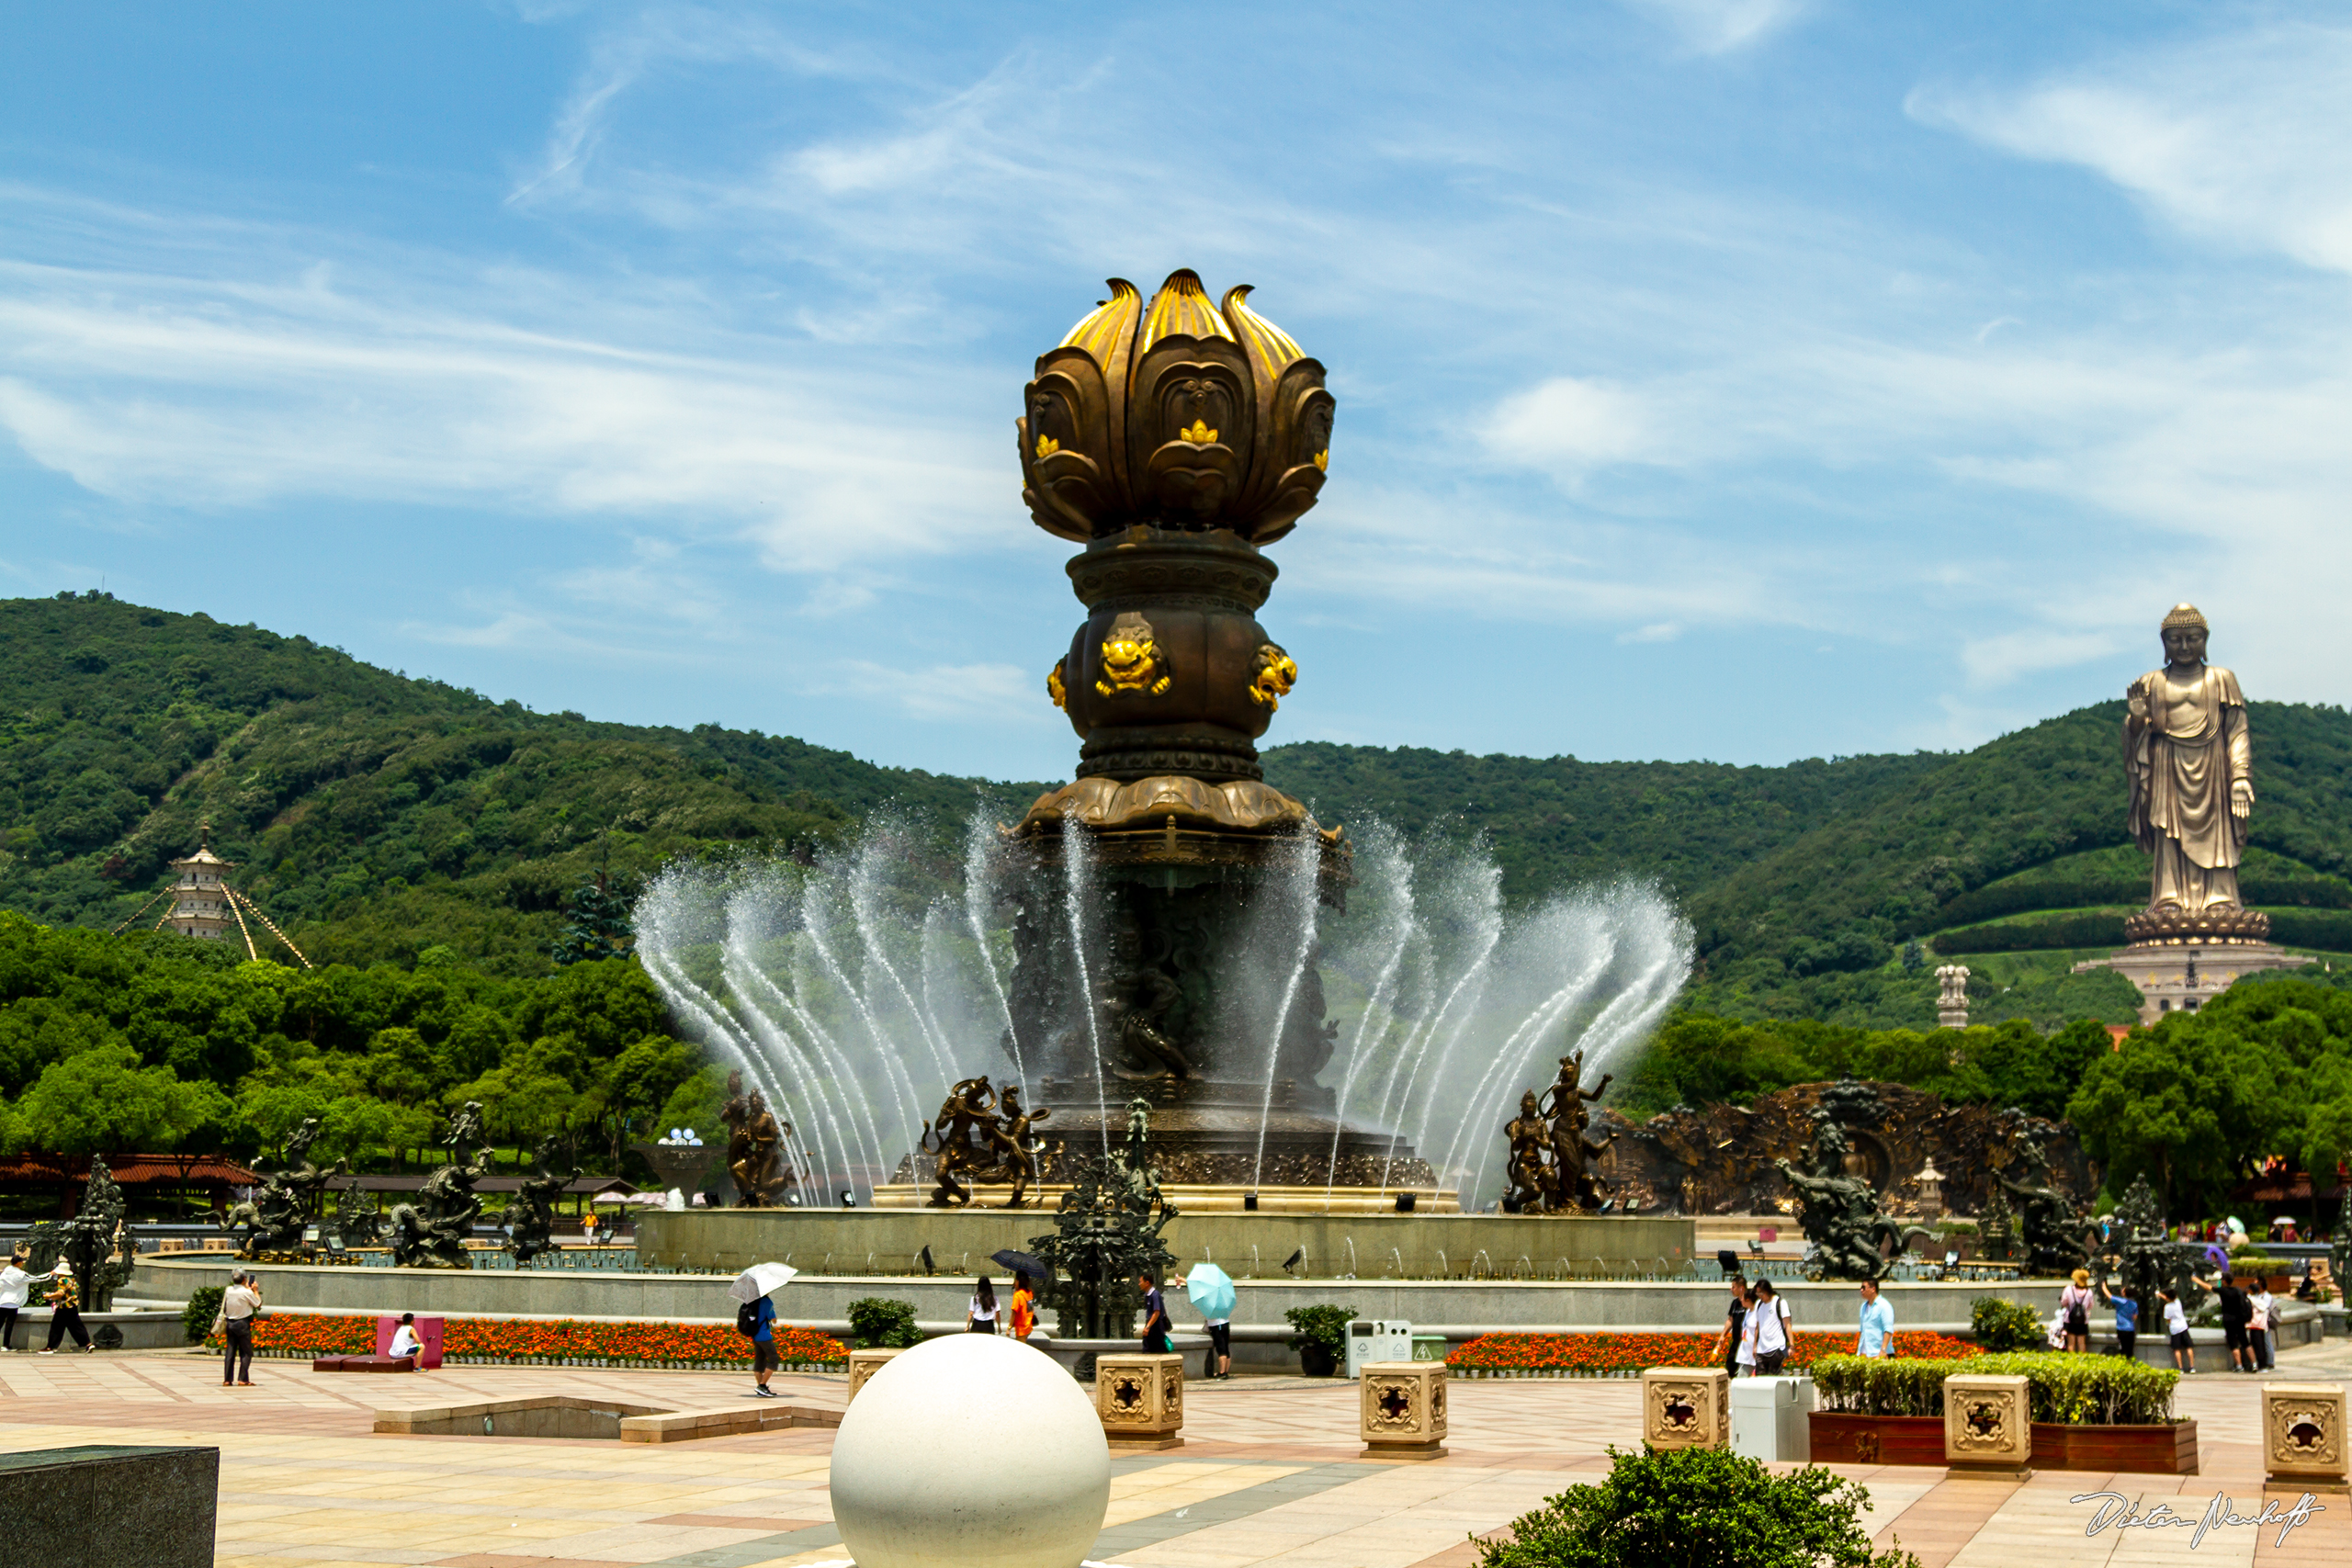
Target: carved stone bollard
[(1989, 1426), (2302, 1435), (1686, 1407), (864, 1364), (1140, 1400), (1403, 1409)]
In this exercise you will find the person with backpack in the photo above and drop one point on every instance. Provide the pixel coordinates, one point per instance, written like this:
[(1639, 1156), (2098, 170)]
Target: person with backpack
[(755, 1320), (2075, 1312)]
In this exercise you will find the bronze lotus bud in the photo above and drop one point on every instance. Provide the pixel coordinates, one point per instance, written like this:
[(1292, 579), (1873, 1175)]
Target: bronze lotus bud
[(1178, 415)]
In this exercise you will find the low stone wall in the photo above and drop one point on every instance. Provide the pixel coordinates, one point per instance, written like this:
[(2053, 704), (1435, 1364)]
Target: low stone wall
[(883, 1241), (1460, 1310), (155, 1330)]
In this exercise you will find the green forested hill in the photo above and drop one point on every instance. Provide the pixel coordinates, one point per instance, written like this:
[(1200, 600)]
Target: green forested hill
[(2026, 831), (371, 814), (1557, 821), (376, 815)]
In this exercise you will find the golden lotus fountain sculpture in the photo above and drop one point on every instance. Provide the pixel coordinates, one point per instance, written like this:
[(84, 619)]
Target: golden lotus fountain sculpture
[(1174, 439)]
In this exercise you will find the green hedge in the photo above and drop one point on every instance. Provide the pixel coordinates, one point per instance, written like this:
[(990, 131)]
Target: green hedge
[(2078, 1391)]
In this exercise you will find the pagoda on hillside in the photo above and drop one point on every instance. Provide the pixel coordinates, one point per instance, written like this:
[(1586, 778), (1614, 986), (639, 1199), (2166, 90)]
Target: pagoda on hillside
[(203, 906)]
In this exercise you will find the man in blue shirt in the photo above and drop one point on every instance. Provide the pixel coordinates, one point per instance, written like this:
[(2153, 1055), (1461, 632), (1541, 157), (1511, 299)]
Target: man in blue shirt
[(764, 1360), (1877, 1323), (1155, 1316)]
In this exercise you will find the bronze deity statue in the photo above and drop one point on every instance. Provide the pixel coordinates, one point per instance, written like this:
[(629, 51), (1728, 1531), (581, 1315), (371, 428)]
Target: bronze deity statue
[(1550, 1162), (2190, 759), (432, 1231), (1847, 1235), (1573, 1188), (754, 1147), (1530, 1137), (982, 1134), (530, 1218)]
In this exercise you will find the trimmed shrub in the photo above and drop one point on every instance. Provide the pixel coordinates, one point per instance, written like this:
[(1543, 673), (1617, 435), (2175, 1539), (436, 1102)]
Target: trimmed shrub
[(2073, 1390), (203, 1303), (1695, 1509), (882, 1324), (1326, 1326), (2000, 1325)]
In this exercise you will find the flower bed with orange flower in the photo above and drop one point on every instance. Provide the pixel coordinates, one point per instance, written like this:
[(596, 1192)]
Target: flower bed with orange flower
[(1630, 1355), (558, 1343)]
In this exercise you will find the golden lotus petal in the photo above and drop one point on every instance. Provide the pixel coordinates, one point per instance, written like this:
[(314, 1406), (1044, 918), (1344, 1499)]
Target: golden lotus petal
[(1323, 460), (1047, 447), (1200, 434)]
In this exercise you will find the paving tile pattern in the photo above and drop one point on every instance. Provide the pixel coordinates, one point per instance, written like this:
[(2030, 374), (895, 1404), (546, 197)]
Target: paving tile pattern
[(1270, 1474)]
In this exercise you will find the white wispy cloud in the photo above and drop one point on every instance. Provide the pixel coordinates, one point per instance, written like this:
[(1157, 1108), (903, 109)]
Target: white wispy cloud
[(2235, 135), (224, 392)]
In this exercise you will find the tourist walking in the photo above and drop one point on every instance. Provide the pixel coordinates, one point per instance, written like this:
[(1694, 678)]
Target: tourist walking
[(240, 1304), (980, 1318), (1735, 1333), (1876, 1337), (2237, 1313), (2127, 1320), (1156, 1326), (2184, 1353), (66, 1312), (2075, 1312), (1024, 1307), (16, 1288), (1770, 1317), (2257, 1324), (764, 1360)]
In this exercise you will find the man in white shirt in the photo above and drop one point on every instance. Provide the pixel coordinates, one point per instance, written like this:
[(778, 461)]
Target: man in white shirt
[(16, 1286), (240, 1304)]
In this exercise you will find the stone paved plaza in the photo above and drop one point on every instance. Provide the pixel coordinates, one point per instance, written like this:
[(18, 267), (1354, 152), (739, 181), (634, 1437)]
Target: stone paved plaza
[(1269, 1475)]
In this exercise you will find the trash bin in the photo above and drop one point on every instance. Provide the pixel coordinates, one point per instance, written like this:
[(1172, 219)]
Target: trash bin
[(1768, 1418), (1377, 1340)]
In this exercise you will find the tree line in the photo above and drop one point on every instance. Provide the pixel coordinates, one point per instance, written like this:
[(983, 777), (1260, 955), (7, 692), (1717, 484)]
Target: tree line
[(158, 1043)]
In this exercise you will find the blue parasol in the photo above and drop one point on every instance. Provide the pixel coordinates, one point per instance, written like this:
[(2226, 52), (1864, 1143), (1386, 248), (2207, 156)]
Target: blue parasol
[(1210, 1290)]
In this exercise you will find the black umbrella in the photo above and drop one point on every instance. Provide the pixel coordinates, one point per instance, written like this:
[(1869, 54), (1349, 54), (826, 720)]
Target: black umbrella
[(1020, 1262)]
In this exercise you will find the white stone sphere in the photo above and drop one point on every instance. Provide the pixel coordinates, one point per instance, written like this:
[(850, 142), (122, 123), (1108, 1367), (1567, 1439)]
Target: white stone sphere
[(975, 1450)]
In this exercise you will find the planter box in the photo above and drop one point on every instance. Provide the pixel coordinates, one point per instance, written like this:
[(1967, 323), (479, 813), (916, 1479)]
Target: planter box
[(1841, 1437), (2166, 1450)]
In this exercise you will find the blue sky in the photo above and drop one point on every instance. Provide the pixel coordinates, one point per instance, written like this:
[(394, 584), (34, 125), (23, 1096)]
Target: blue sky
[(1744, 380)]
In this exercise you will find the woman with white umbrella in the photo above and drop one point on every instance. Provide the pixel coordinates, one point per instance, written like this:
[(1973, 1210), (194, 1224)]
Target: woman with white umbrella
[(755, 1318)]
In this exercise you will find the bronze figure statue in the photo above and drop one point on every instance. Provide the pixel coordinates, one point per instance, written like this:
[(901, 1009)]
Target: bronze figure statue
[(1530, 1179), (1847, 1236), (982, 1134), (284, 1205), (754, 1147), (1573, 1188), (530, 1218), (432, 1231), (2053, 1229)]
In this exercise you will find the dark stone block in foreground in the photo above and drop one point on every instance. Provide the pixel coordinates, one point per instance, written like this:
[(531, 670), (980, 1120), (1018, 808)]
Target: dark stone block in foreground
[(154, 1507)]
